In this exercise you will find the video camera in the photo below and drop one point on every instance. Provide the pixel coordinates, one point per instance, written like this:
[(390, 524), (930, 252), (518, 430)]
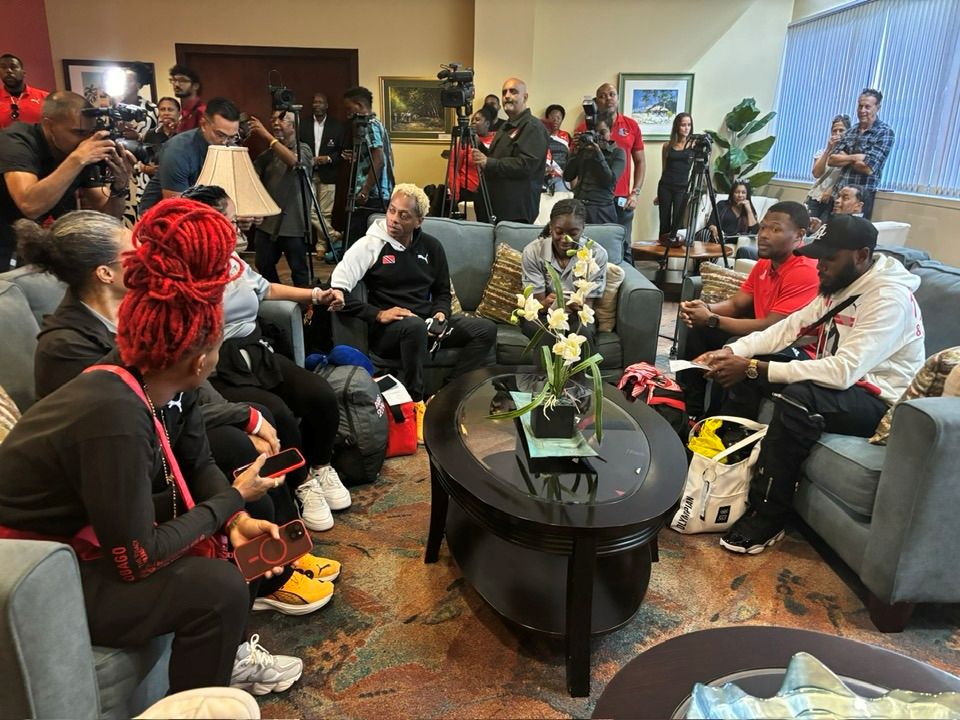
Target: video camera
[(589, 137), (111, 119), (281, 97), (702, 146), (457, 89)]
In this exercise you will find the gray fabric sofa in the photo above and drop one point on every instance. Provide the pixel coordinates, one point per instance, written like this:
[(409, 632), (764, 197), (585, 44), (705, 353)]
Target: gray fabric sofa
[(890, 512), (470, 249)]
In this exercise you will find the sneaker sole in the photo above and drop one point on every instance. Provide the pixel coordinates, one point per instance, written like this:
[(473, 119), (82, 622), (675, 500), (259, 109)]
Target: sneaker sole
[(334, 505), (286, 609), (315, 527), (753, 549), (265, 688)]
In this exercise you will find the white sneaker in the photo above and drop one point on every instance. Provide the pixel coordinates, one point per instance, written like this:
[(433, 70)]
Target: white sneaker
[(338, 497), (258, 672), (316, 513)]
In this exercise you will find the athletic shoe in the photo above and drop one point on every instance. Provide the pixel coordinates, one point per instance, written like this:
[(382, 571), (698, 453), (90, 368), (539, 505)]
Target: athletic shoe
[(258, 672), (316, 513), (301, 594), (752, 534), (336, 495), (419, 408), (317, 567)]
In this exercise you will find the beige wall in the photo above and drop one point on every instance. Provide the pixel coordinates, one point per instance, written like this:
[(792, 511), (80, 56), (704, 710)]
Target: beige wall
[(806, 8), (403, 38)]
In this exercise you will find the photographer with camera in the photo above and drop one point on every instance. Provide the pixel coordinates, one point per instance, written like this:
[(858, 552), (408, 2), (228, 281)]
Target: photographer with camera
[(373, 181), (596, 162), (183, 154), (45, 166), (514, 164)]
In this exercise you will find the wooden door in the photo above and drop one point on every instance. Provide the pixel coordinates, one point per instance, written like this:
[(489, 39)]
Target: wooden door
[(242, 73)]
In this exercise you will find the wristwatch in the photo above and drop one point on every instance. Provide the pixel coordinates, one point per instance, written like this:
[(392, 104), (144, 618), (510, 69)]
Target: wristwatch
[(752, 370), (713, 321)]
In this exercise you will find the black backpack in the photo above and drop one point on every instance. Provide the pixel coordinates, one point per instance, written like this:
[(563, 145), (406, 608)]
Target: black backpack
[(646, 382), (361, 444)]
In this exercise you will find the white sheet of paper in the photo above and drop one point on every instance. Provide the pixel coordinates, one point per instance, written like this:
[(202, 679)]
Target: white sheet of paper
[(678, 365)]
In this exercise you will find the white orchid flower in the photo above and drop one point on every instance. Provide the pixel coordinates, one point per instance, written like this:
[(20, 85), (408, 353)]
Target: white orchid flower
[(581, 268), (576, 298), (586, 315), (557, 319), (568, 348), (528, 307), (585, 286)]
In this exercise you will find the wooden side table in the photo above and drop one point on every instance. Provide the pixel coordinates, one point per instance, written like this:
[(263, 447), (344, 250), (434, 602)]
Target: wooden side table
[(699, 251)]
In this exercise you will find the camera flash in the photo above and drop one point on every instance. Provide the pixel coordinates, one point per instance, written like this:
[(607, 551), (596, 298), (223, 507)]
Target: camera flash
[(115, 82)]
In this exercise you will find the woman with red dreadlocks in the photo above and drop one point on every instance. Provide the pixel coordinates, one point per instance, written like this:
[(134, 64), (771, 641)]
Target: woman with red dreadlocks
[(92, 464)]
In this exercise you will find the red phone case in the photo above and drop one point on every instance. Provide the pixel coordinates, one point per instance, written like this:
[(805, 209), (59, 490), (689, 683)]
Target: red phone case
[(295, 460), (263, 553)]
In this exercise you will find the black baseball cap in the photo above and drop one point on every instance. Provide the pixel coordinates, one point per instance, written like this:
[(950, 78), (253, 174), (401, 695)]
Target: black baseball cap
[(842, 232)]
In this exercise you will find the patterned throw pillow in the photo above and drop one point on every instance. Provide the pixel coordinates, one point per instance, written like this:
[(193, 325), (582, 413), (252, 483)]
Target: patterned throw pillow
[(928, 382), (455, 307), (500, 295), (719, 283), (8, 414), (606, 307)]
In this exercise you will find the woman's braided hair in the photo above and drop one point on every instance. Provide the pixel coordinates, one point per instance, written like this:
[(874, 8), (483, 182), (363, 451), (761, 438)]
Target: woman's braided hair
[(175, 279)]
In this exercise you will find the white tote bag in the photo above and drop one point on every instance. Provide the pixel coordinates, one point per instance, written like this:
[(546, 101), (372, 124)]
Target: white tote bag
[(715, 494)]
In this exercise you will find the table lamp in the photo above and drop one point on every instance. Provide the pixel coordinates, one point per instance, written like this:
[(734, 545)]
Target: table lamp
[(232, 169)]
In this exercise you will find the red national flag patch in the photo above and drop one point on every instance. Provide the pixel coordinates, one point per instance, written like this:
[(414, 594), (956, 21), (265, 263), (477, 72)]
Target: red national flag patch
[(389, 259)]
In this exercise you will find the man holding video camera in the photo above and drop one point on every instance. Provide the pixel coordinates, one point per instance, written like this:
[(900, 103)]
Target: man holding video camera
[(514, 164), (45, 166), (596, 162)]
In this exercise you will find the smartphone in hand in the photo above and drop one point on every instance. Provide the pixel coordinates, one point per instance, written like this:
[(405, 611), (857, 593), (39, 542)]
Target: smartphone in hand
[(279, 464), (264, 553)]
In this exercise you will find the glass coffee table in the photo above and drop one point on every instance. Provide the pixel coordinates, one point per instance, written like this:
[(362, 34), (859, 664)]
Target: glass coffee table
[(558, 545)]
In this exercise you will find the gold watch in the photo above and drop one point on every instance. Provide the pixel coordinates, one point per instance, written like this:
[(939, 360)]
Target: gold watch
[(753, 371)]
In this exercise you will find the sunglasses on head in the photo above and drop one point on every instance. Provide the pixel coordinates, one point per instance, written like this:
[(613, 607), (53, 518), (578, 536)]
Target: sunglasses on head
[(14, 111)]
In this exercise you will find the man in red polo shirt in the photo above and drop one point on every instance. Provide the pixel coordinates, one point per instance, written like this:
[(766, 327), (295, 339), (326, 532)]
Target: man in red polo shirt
[(625, 132), (779, 284), (18, 101)]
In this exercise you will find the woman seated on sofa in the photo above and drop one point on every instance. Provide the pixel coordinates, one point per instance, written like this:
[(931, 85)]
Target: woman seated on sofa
[(94, 465), (250, 371), (737, 214), (84, 250)]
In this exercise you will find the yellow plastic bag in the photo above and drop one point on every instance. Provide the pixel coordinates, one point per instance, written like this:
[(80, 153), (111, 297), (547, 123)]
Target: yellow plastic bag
[(707, 443)]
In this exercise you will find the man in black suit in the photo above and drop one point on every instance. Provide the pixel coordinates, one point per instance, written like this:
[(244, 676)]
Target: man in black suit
[(324, 135)]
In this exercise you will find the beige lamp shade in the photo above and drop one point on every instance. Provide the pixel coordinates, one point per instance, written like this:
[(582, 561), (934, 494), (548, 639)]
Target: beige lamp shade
[(232, 169)]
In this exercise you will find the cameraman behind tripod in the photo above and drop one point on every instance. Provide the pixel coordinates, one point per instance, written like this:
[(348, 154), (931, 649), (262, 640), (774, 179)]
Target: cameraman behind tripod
[(371, 164), (596, 161)]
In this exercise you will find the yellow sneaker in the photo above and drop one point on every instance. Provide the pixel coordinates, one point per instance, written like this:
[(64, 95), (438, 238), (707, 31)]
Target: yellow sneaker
[(320, 568), (419, 408), (300, 595)]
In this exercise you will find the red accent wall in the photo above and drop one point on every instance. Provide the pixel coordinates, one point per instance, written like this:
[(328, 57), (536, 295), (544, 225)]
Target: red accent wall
[(24, 33)]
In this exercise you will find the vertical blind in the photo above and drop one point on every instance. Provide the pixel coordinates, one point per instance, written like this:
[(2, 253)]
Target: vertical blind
[(907, 49)]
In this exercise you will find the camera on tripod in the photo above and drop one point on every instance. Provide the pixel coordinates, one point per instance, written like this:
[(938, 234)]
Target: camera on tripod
[(281, 97), (702, 146), (457, 89), (111, 119), (589, 136)]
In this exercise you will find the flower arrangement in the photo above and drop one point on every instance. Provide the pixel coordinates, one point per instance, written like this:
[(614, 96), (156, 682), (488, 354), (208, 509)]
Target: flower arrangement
[(562, 359)]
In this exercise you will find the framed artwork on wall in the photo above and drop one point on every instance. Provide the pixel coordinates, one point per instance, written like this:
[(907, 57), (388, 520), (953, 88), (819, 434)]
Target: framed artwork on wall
[(87, 78), (654, 100), (412, 111)]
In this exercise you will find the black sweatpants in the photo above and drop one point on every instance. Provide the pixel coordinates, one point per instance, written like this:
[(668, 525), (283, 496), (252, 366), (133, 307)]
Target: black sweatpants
[(670, 205), (301, 394), (269, 250), (407, 340), (800, 416), (698, 341), (202, 601)]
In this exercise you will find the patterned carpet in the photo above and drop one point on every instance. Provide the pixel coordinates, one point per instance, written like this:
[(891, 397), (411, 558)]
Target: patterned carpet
[(402, 639)]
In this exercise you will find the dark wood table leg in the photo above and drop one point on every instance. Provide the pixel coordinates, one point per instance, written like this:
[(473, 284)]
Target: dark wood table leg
[(580, 571), (438, 517)]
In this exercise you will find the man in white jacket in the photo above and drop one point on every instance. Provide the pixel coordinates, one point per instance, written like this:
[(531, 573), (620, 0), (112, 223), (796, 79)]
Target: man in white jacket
[(869, 338)]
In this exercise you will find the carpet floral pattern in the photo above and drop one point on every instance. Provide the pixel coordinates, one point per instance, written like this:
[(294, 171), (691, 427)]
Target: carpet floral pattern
[(402, 639)]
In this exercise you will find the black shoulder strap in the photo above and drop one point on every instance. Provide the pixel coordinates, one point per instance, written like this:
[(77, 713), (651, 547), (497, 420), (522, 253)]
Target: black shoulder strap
[(827, 316)]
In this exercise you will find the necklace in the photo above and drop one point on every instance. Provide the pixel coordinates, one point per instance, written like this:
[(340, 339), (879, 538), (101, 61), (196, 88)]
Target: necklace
[(163, 455)]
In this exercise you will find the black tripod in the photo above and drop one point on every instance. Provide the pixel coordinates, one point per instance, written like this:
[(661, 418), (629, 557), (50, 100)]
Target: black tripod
[(699, 180), (463, 141), (361, 148)]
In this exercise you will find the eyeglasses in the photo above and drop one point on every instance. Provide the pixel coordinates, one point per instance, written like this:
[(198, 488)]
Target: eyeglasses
[(181, 80), (14, 111), (225, 139)]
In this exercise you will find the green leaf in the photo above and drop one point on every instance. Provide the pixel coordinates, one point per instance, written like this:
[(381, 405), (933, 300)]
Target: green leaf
[(557, 285), (533, 341), (534, 402), (743, 113), (756, 125), (737, 158), (584, 364), (721, 183), (718, 139), (758, 180), (755, 151), (527, 291), (597, 401)]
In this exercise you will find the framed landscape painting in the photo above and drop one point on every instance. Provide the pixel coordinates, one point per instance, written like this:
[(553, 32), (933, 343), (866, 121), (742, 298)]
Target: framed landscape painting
[(654, 100), (86, 77), (412, 111)]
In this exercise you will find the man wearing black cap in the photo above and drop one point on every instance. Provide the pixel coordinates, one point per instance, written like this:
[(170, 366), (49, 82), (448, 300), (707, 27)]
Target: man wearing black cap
[(868, 334)]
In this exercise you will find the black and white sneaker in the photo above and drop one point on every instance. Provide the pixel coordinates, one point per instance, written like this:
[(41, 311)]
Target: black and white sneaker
[(752, 534)]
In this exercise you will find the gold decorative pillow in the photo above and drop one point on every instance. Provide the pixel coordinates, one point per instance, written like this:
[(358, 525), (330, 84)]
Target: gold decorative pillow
[(606, 306), (928, 382), (455, 307), (500, 295), (719, 283), (8, 414)]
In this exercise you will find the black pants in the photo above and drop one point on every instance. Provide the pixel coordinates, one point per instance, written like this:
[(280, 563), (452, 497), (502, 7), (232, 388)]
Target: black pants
[(625, 218), (670, 205), (407, 340), (804, 412), (202, 601), (301, 394), (599, 214), (700, 340), (361, 218), (479, 206), (269, 250)]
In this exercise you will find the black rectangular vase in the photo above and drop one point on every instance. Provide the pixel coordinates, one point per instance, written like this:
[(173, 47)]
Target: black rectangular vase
[(557, 422)]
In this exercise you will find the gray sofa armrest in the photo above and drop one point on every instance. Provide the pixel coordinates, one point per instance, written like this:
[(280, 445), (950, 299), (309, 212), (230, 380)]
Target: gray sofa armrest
[(286, 315), (639, 304), (912, 549), (692, 287), (44, 640)]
